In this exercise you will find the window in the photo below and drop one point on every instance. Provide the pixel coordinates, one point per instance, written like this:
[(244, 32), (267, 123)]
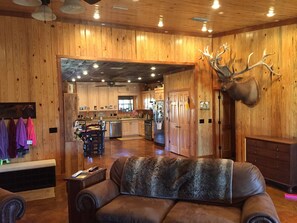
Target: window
[(126, 103)]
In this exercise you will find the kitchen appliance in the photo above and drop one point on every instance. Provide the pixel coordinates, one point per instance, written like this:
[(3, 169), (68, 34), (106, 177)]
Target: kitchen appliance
[(148, 129), (159, 135), (115, 129)]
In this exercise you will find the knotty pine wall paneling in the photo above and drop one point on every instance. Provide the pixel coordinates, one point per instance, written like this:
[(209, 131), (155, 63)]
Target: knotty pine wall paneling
[(275, 113), (30, 49)]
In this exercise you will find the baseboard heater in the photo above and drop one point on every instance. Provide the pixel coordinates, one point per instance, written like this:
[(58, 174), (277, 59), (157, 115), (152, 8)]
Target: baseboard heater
[(29, 176)]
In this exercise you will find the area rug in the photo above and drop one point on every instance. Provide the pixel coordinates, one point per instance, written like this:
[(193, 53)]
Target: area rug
[(130, 138)]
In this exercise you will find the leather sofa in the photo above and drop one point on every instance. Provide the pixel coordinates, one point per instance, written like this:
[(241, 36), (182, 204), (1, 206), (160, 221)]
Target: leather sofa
[(176, 190), (12, 206)]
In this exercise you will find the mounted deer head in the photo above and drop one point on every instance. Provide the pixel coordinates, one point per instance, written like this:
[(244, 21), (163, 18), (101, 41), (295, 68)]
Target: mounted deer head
[(239, 88)]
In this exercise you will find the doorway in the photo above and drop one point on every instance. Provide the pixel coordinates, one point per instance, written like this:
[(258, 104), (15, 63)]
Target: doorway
[(179, 123), (224, 125)]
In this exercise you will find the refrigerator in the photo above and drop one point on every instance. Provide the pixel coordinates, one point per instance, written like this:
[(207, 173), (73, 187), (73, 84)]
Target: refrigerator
[(159, 136)]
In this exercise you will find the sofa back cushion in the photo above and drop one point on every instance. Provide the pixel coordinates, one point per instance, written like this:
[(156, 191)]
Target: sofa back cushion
[(178, 178), (247, 181)]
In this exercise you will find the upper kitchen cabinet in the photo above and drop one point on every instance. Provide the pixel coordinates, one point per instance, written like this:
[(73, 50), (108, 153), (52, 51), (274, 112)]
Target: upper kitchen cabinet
[(159, 94), (95, 96), (82, 93), (147, 98)]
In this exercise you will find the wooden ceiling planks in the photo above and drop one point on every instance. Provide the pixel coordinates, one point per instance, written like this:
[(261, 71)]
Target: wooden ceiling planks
[(144, 14)]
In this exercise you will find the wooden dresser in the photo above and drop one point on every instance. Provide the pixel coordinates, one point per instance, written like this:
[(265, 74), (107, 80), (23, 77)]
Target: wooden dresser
[(275, 157)]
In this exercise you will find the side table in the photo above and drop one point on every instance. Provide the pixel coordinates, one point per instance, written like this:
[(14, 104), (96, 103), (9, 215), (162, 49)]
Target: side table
[(75, 185)]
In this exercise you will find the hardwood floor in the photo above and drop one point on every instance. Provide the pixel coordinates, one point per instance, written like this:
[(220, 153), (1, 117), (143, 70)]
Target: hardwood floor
[(54, 210)]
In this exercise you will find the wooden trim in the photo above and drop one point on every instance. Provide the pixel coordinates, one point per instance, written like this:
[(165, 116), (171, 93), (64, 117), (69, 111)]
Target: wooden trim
[(126, 60), (61, 115), (28, 165)]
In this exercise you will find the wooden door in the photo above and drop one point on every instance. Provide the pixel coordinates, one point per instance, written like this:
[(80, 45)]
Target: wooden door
[(184, 123), (224, 125), (179, 123), (173, 123)]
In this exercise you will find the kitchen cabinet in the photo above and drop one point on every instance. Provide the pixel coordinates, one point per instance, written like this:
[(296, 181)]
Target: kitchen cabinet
[(141, 128), (103, 98), (147, 97), (276, 158), (82, 93), (159, 94), (129, 127), (107, 129)]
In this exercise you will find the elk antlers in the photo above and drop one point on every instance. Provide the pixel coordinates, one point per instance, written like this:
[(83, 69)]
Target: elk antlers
[(224, 72)]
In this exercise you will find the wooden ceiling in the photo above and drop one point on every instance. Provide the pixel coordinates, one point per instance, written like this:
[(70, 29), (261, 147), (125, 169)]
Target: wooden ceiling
[(144, 14)]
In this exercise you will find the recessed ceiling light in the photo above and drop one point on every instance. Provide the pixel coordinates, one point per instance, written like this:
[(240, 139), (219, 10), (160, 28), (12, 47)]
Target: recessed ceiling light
[(78, 77), (160, 24), (204, 28), (101, 72), (153, 68), (102, 80), (85, 72), (95, 65), (221, 13), (153, 75), (271, 12), (96, 12), (129, 81), (216, 4), (139, 78), (73, 79)]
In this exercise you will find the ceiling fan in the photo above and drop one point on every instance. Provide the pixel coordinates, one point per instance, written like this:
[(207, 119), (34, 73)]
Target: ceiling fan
[(44, 13), (110, 84)]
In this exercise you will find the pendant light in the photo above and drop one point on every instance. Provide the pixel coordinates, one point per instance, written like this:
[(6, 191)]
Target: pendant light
[(72, 7), (44, 13), (32, 3)]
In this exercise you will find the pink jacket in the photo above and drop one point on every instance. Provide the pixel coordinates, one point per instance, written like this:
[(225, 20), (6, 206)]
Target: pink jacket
[(31, 131)]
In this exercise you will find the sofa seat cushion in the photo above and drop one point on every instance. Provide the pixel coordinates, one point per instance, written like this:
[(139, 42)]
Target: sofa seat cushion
[(187, 212), (134, 209)]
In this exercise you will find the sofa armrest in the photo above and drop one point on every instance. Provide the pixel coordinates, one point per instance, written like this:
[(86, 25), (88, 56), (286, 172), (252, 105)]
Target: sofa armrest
[(259, 208), (97, 195), (12, 206)]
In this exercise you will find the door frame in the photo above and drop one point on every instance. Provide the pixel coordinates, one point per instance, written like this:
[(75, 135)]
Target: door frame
[(218, 124)]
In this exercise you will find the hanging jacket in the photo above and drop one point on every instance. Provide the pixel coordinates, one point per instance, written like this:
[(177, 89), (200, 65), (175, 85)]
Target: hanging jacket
[(12, 150), (3, 140), (21, 134), (31, 131)]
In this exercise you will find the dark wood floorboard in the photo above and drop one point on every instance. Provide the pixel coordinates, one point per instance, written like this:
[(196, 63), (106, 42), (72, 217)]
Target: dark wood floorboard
[(54, 210)]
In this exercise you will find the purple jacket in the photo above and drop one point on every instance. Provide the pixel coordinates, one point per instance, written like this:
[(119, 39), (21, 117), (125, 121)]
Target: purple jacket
[(3, 140), (12, 150), (21, 134)]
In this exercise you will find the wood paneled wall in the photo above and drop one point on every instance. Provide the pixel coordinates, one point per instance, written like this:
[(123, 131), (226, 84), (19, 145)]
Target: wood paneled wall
[(199, 84), (29, 54), (275, 114)]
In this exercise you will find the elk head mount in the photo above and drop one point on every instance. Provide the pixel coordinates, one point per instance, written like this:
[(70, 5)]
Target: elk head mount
[(244, 89)]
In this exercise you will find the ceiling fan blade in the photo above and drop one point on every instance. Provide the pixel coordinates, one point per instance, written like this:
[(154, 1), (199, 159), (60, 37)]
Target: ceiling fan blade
[(91, 2)]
